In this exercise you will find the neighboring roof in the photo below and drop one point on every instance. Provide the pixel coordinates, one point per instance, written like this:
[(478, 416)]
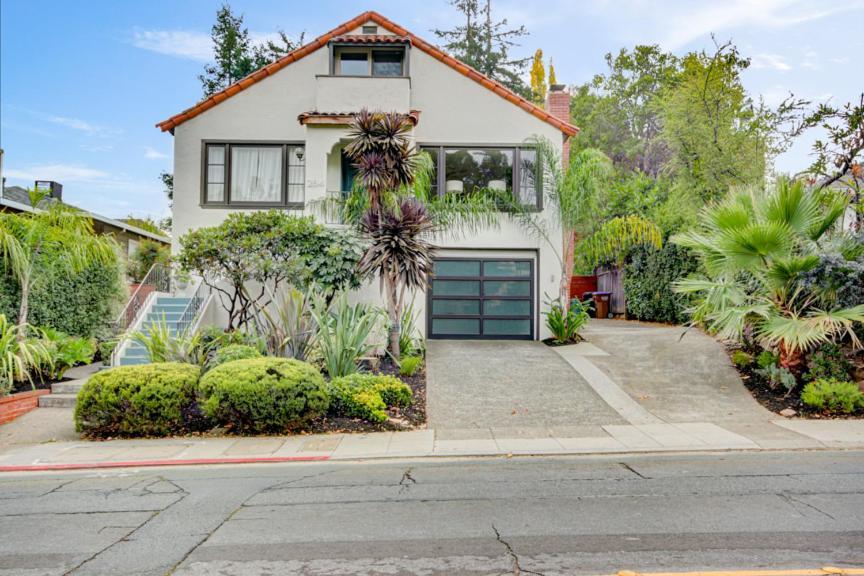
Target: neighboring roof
[(343, 118), (14, 204), (371, 39), (341, 31)]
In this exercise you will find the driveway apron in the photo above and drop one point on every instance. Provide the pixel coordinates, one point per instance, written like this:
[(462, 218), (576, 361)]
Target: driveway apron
[(507, 384)]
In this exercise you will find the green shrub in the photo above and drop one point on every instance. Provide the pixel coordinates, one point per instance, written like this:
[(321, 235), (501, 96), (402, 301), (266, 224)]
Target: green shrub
[(565, 326), (766, 359), (146, 400), (409, 365), (233, 352), (164, 344), (367, 396), (264, 394), (76, 303), (648, 278), (827, 363), (149, 252), (834, 395), (344, 333), (66, 351), (741, 359)]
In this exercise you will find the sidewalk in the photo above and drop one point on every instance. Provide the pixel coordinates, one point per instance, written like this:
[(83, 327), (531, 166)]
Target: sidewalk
[(611, 439)]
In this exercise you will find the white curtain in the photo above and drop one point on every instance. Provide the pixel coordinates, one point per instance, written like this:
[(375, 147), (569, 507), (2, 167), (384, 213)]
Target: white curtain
[(256, 174)]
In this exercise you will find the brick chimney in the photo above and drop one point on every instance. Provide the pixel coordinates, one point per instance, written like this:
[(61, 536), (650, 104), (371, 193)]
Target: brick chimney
[(558, 104)]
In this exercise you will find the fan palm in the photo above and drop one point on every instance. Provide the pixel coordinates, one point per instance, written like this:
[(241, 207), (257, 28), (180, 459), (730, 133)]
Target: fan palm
[(754, 247), (57, 231)]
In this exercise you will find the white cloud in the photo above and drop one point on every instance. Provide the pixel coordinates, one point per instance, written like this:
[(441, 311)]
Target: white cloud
[(180, 43), (97, 147), (59, 172), (153, 154), (75, 124), (684, 26), (811, 60), (774, 61)]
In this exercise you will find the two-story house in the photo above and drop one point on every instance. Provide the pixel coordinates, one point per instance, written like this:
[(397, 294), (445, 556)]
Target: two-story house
[(275, 139)]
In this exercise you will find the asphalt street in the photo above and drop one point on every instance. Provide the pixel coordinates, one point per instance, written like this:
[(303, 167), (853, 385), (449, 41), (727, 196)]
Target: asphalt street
[(550, 516)]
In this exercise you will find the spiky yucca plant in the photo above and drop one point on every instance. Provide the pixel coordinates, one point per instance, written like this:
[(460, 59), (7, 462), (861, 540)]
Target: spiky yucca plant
[(754, 248)]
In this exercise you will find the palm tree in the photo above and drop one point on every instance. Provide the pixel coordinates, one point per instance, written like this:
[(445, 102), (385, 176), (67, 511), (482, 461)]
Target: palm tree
[(55, 231), (754, 247)]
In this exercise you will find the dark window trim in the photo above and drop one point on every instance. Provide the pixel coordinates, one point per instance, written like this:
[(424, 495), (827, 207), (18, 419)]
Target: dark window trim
[(481, 298), (368, 49), (441, 176), (229, 144)]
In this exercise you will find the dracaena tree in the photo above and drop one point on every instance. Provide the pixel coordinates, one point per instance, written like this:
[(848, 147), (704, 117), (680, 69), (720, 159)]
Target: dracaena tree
[(755, 248)]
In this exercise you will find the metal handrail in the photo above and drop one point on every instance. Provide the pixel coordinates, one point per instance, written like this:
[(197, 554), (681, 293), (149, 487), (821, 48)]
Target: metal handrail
[(190, 313), (157, 279)]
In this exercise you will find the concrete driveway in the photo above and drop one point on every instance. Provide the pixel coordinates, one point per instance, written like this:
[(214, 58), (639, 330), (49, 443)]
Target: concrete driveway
[(496, 384), (626, 373)]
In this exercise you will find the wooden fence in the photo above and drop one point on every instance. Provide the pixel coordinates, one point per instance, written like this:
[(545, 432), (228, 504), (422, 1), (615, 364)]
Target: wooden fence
[(612, 280)]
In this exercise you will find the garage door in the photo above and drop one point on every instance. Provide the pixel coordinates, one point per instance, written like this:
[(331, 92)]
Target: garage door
[(487, 298)]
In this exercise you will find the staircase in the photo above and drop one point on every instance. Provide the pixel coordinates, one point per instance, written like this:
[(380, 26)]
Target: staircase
[(169, 309), (63, 394)]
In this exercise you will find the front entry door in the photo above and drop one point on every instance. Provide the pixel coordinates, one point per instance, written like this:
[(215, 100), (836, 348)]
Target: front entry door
[(481, 298)]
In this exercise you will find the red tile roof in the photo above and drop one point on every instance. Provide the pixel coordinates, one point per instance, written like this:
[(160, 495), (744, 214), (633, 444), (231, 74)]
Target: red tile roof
[(372, 39), (342, 30)]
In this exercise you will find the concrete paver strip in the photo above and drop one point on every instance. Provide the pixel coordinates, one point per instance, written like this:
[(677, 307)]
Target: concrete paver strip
[(608, 390), (832, 433), (507, 384), (254, 447), (632, 437)]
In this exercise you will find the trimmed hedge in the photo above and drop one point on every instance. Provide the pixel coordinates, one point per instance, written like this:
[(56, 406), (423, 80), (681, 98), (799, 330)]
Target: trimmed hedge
[(648, 278), (233, 352), (76, 303), (367, 396), (145, 400), (264, 394)]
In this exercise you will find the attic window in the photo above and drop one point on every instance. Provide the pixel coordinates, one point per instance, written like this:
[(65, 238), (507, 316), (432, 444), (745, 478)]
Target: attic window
[(370, 29)]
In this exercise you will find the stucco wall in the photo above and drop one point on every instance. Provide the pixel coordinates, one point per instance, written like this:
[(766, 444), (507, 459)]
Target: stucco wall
[(454, 110)]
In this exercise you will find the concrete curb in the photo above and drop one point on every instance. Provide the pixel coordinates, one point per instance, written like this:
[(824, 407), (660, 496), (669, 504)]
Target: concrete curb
[(152, 463)]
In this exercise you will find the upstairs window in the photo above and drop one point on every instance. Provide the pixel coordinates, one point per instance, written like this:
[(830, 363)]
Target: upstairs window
[(252, 174), (378, 62), (464, 170)]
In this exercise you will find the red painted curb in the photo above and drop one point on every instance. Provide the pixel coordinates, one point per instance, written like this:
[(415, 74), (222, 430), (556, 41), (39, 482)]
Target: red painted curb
[(151, 463)]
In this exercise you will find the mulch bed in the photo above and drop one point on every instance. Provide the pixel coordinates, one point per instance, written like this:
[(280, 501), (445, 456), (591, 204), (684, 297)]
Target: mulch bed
[(411, 418), (773, 399)]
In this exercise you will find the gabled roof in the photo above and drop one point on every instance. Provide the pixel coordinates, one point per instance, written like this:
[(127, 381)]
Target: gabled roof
[(344, 29)]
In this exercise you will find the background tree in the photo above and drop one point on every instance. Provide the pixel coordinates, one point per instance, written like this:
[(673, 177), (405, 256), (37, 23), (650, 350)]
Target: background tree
[(58, 230), (552, 79), (485, 44), (167, 179), (235, 55), (145, 223), (538, 78)]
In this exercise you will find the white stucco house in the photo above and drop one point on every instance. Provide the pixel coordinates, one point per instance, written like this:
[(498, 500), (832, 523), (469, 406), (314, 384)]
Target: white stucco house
[(275, 138)]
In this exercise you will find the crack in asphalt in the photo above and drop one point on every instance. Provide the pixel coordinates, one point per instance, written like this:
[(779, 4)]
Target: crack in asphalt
[(633, 470), (517, 567), (406, 481), (792, 500)]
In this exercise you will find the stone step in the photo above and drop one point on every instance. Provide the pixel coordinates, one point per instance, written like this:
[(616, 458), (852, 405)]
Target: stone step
[(172, 301), (68, 387), (167, 316), (133, 361), (58, 401)]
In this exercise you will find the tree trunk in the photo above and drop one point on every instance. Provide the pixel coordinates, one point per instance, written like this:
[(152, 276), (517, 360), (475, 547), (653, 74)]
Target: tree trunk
[(23, 310), (567, 272), (395, 328), (792, 361)]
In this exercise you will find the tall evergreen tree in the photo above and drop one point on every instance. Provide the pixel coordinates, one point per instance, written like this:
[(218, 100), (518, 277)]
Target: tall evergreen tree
[(484, 44), (552, 80), (235, 55)]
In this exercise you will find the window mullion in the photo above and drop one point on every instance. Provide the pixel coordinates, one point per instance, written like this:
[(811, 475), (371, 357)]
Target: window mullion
[(227, 173)]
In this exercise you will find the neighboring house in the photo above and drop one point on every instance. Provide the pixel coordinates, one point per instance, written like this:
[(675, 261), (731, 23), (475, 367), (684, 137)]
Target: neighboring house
[(17, 199), (275, 139)]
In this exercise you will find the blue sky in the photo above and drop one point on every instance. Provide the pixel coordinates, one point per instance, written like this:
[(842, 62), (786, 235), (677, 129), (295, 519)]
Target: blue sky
[(83, 83)]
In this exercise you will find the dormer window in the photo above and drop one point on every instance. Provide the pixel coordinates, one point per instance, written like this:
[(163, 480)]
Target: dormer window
[(371, 61)]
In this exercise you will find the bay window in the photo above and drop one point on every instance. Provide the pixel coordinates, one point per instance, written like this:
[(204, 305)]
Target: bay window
[(253, 174), (465, 170)]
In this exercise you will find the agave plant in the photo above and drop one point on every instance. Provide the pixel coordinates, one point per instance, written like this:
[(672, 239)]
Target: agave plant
[(19, 358), (344, 333), (755, 247), (288, 329)]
